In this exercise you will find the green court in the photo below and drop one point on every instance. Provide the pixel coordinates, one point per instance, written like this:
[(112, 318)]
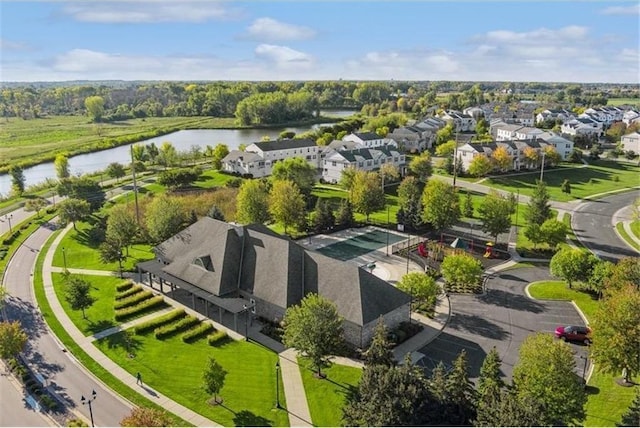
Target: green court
[(360, 245)]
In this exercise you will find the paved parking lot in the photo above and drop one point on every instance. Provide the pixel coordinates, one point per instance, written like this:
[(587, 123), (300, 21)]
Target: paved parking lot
[(502, 317)]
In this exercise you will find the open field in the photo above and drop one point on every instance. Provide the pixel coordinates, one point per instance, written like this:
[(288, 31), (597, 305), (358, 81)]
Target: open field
[(600, 177), (607, 400), (175, 368), (623, 101), (28, 142)]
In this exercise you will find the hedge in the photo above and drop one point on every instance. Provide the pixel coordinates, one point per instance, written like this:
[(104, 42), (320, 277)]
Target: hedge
[(152, 324), (124, 286), (140, 307), (133, 300), (216, 337), (197, 332), (176, 327), (130, 292)]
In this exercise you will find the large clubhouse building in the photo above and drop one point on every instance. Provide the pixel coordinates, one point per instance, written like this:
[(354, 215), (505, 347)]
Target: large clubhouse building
[(231, 269)]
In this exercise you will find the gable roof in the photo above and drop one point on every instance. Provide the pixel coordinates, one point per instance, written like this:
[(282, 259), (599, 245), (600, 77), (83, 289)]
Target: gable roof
[(365, 136), (295, 143)]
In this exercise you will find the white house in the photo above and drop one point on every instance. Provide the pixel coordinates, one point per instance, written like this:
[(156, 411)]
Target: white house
[(528, 133), (462, 122), (259, 158), (563, 146), (555, 114), (631, 142), (582, 126), (367, 139), (363, 159), (630, 116), (505, 131), (412, 138)]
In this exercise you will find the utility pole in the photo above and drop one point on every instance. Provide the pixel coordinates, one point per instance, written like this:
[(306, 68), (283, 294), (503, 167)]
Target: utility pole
[(135, 186), (542, 166), (455, 161)]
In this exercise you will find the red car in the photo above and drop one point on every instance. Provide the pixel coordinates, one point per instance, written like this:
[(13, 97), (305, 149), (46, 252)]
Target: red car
[(574, 333)]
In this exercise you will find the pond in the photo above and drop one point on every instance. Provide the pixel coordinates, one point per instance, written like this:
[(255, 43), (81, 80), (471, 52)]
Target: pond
[(181, 140)]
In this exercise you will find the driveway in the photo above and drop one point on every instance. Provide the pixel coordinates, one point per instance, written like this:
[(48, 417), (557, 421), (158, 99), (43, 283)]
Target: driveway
[(592, 223), (502, 317)]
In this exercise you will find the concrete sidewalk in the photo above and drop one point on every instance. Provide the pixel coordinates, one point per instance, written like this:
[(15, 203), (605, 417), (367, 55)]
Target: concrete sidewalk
[(85, 342)]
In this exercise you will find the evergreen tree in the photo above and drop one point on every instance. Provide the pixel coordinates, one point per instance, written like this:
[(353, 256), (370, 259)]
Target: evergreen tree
[(490, 386), (631, 418), (345, 214), (539, 208), (460, 392), (467, 206), (17, 180), (323, 218), (215, 213), (380, 350)]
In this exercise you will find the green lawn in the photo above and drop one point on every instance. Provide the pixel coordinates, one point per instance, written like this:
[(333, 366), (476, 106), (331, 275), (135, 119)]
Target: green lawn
[(326, 397), (81, 253), (77, 351), (212, 178), (175, 369), (100, 315), (635, 228), (628, 239), (594, 179), (607, 400), (623, 101)]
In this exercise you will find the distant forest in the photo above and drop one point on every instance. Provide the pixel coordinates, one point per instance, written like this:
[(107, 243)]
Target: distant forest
[(255, 103)]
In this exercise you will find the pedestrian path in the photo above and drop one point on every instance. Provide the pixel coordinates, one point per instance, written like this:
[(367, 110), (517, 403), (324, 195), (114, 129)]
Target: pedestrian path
[(297, 406), (85, 343), (83, 271)]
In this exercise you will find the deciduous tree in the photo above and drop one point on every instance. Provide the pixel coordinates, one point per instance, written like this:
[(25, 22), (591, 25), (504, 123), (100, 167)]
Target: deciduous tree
[(388, 171), (17, 180), (410, 201), (545, 374), (461, 270), (286, 204), (35, 204), (566, 186), (571, 264), (61, 164), (422, 288), (164, 218), (553, 232), (253, 202), (78, 293), (219, 153), (495, 214), (12, 339), (446, 149), (502, 159), (213, 378), (298, 170), (83, 188), (421, 166), (147, 417), (480, 166), (366, 194), (95, 107), (314, 328), (72, 210), (616, 329), (116, 170), (122, 226), (441, 204)]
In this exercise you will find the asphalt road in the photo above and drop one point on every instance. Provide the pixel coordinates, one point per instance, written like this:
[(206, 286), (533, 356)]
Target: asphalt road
[(594, 225), (45, 355), (502, 317), (14, 410)]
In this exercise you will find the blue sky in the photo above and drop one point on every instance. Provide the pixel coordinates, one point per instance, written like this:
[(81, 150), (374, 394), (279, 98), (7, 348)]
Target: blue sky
[(561, 41)]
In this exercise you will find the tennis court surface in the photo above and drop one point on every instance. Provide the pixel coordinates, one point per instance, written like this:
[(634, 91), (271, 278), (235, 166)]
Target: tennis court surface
[(360, 245)]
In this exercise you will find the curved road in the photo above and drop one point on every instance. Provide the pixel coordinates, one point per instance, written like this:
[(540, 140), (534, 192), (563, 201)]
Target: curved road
[(47, 356), (594, 225)]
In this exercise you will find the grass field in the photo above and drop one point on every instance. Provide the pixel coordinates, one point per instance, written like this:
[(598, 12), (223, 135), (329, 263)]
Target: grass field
[(174, 369), (622, 101), (607, 400), (28, 142), (326, 397), (635, 228), (628, 239), (77, 351), (100, 315), (594, 179)]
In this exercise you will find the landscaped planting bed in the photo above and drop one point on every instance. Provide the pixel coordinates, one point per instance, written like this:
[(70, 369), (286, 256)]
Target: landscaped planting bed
[(141, 308), (129, 292), (133, 300), (197, 332), (175, 327), (152, 324), (217, 338)]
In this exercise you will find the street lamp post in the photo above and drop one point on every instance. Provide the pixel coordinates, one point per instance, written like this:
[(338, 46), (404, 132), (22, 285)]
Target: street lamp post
[(542, 166), (246, 322), (277, 384), (584, 370), (8, 218), (471, 234), (64, 258), (88, 402), (387, 249)]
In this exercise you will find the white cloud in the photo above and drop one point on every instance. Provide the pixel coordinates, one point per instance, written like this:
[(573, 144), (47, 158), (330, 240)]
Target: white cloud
[(270, 30), (283, 56), (9, 45), (568, 34), (622, 10), (130, 12)]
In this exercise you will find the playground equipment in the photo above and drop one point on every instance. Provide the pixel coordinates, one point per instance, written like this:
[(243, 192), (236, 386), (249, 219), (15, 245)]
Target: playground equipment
[(422, 250), (488, 252)]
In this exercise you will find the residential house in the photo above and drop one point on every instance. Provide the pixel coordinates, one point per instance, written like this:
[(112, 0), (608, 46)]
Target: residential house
[(631, 142), (504, 131), (228, 270), (583, 126), (468, 151), (555, 114), (258, 159), (412, 138), (462, 122), (606, 115), (630, 116), (367, 139), (360, 159)]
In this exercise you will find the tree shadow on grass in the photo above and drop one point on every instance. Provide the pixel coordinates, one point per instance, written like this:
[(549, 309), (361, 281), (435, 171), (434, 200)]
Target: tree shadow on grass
[(98, 326), (119, 340), (245, 418)]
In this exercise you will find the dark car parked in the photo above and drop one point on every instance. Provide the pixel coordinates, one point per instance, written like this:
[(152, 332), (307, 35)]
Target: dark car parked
[(574, 333)]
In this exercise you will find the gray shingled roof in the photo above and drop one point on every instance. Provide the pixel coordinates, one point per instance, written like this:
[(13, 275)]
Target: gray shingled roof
[(365, 136), (295, 143), (237, 155)]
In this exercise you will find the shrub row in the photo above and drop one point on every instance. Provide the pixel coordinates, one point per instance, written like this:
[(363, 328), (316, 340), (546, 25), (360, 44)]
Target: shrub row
[(133, 300), (198, 332), (130, 292), (8, 240), (152, 324), (216, 337), (142, 306), (124, 286), (176, 327)]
